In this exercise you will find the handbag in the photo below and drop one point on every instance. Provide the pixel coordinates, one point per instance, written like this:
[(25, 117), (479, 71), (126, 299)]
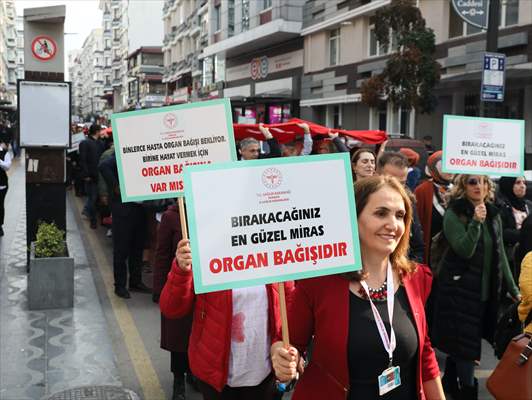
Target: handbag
[(508, 327), (512, 378)]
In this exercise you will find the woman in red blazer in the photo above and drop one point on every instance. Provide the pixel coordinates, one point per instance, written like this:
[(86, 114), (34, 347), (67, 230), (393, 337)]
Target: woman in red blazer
[(354, 357)]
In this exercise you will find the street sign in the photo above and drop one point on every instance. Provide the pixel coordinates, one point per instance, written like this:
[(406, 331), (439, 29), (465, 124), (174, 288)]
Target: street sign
[(492, 88), (43, 48), (474, 12)]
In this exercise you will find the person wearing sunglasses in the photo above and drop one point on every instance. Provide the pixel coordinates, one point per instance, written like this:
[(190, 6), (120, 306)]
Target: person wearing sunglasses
[(470, 281)]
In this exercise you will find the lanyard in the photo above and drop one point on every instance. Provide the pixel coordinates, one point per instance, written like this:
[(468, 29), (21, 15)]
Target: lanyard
[(389, 344)]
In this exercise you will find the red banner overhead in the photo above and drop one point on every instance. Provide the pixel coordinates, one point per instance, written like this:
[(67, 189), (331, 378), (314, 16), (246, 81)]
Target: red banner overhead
[(289, 131)]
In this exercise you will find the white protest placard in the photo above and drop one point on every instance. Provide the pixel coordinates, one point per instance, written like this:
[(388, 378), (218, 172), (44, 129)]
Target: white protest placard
[(265, 221), (154, 146), (76, 139), (483, 146)]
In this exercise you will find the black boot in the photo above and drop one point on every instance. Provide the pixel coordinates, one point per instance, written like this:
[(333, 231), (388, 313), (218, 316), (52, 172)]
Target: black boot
[(450, 379), (469, 392), (192, 381), (179, 388)]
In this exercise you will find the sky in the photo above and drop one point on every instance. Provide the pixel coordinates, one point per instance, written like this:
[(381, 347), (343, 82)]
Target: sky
[(82, 16)]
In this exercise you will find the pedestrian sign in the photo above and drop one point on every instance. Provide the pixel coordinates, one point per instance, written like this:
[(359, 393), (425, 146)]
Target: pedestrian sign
[(492, 88)]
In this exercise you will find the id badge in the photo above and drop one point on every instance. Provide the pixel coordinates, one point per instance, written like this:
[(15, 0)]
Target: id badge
[(389, 380)]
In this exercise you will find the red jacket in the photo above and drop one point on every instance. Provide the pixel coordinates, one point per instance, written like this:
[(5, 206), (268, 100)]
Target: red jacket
[(320, 307), (210, 340)]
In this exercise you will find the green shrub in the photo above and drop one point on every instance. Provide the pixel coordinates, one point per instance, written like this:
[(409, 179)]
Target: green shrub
[(50, 241)]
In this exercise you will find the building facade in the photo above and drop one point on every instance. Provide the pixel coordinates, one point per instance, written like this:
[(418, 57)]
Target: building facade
[(256, 55), (146, 88), (91, 62), (341, 51), (8, 53), (75, 76), (186, 33), (127, 26), (19, 23)]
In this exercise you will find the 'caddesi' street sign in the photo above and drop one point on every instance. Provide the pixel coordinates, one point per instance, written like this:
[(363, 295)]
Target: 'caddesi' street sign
[(474, 12)]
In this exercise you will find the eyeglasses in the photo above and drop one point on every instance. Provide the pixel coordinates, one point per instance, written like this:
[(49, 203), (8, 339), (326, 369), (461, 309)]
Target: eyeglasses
[(473, 181)]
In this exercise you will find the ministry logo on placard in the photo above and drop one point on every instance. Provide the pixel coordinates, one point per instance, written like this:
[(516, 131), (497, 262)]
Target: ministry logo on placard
[(484, 131), (170, 120), (272, 178)]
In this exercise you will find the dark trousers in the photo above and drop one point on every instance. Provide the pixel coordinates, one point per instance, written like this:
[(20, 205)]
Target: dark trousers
[(264, 391), (91, 189), (3, 193), (179, 363), (129, 226)]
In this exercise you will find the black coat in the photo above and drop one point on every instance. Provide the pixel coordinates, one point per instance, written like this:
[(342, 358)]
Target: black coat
[(511, 234), (90, 151), (460, 318)]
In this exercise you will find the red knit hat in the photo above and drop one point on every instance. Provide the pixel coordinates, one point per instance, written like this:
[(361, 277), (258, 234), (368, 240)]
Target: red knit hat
[(413, 157)]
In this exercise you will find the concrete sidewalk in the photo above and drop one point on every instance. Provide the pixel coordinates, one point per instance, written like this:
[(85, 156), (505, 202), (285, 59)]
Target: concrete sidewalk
[(45, 352)]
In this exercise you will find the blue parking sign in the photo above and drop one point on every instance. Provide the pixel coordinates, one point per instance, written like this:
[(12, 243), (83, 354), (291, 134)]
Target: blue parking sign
[(492, 88)]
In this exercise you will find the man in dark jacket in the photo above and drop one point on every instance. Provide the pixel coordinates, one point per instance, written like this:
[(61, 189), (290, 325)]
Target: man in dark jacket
[(249, 148), (396, 164), (129, 230), (90, 151)]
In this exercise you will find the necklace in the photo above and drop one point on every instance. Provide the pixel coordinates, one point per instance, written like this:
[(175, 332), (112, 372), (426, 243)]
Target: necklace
[(379, 294)]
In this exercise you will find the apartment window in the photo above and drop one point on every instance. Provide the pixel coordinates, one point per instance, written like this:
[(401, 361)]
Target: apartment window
[(334, 116), (509, 13), (334, 47), (181, 13), (245, 15), (266, 4), (230, 17), (217, 18), (208, 70), (107, 43), (386, 118), (376, 49)]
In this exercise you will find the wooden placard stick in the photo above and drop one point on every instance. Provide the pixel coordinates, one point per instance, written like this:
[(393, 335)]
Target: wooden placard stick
[(182, 217), (284, 315)]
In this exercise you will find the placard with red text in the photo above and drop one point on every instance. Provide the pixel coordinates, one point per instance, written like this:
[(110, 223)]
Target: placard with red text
[(154, 146), (264, 221)]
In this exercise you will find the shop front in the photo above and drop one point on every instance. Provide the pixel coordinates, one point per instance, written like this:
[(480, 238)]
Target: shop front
[(265, 87)]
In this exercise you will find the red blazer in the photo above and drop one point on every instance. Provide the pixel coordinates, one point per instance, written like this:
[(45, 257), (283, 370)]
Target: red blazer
[(210, 340), (320, 307)]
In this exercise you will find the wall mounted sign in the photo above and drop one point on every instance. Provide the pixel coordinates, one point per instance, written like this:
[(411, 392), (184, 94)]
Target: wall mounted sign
[(43, 48)]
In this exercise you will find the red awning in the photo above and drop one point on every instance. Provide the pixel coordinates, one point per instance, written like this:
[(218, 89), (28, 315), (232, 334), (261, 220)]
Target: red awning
[(289, 131)]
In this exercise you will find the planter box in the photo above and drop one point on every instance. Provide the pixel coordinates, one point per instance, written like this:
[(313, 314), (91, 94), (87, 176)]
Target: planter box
[(50, 282)]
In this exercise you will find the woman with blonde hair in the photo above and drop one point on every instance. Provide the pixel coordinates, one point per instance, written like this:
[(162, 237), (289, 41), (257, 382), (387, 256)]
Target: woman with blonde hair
[(470, 281), (369, 327)]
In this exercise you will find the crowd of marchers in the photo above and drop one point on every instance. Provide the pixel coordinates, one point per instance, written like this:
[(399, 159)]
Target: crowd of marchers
[(443, 257)]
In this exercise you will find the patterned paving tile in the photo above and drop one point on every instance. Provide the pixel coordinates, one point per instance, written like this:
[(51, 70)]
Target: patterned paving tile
[(45, 352)]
